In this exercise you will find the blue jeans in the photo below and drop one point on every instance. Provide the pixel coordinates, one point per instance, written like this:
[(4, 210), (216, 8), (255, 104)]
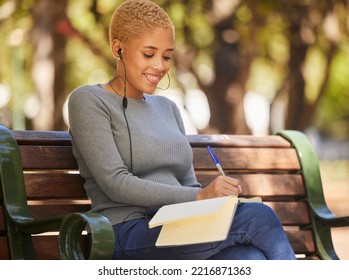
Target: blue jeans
[(255, 234)]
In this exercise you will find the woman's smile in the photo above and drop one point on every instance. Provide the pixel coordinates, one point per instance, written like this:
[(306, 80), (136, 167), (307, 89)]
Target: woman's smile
[(154, 79)]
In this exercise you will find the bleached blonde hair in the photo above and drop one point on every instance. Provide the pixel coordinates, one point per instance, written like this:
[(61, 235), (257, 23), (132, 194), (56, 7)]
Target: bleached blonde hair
[(134, 17)]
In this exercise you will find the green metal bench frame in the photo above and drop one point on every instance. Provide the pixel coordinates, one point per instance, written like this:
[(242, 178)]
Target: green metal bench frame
[(322, 217)]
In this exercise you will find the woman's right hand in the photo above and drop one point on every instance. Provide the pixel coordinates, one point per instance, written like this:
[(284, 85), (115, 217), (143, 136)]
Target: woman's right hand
[(220, 186)]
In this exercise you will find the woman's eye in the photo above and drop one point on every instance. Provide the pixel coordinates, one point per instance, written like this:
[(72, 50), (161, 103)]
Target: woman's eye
[(167, 58), (148, 55)]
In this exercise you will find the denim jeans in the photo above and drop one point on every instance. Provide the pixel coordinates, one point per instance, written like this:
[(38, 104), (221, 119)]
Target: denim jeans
[(255, 234)]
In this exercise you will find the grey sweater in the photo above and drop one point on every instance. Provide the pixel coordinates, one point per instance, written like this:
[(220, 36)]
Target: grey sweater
[(161, 155)]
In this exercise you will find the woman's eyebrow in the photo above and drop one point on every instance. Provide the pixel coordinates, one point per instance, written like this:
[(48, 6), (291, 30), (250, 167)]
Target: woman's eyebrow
[(155, 48)]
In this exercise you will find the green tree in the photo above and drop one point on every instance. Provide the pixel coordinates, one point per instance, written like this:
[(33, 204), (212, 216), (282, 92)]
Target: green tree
[(294, 53)]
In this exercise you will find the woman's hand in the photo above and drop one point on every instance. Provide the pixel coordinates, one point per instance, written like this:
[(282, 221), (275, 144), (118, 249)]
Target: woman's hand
[(221, 186)]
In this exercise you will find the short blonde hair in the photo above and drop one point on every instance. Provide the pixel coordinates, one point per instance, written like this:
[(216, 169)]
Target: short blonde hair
[(134, 17)]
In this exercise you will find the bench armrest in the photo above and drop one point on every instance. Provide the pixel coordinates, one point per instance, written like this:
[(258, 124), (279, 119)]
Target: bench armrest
[(33, 226), (100, 232), (334, 221), (312, 177), (71, 229), (323, 217)]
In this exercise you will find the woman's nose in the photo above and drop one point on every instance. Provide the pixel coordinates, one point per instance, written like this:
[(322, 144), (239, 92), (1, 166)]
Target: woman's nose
[(159, 65)]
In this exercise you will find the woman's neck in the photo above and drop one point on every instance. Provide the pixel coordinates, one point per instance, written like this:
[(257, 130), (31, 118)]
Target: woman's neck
[(116, 86)]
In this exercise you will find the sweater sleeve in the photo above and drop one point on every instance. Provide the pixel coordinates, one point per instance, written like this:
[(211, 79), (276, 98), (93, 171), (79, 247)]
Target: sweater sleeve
[(190, 178), (100, 160)]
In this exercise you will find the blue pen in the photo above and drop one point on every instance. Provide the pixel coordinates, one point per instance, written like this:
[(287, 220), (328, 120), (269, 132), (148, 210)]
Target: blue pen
[(216, 160)]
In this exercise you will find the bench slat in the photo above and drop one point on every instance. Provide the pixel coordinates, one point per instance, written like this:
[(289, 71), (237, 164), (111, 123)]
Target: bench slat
[(46, 157), (251, 159), (302, 241), (54, 185), (2, 220), (223, 140), (46, 247), (62, 138), (39, 157), (289, 213), (53, 138), (58, 185), (4, 250), (64, 207), (264, 185)]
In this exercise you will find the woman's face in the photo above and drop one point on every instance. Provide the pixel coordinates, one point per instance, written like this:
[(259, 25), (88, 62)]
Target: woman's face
[(147, 59)]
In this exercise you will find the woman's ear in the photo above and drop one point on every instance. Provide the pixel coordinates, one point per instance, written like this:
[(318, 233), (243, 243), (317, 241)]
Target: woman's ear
[(115, 47)]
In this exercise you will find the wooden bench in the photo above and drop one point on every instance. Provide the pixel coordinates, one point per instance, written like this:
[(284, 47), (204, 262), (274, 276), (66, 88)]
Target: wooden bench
[(42, 192)]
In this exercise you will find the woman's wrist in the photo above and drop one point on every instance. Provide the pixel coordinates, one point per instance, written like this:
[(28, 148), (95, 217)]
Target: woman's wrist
[(199, 195)]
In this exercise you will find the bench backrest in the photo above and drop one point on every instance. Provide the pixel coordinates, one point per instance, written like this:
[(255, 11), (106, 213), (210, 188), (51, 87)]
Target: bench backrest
[(267, 166)]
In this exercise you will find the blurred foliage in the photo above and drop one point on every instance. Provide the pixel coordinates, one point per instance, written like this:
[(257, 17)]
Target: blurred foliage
[(259, 28), (335, 106)]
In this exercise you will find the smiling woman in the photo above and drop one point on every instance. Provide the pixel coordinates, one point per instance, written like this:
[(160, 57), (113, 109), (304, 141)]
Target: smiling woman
[(144, 48), (134, 155), (146, 63)]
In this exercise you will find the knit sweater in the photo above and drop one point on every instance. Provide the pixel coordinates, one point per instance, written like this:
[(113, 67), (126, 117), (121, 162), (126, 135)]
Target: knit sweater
[(162, 170)]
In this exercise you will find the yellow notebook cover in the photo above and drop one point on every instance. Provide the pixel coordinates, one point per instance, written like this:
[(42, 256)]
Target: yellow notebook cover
[(196, 221)]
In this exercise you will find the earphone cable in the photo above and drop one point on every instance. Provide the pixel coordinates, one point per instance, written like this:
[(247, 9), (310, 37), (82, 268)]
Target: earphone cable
[(124, 106)]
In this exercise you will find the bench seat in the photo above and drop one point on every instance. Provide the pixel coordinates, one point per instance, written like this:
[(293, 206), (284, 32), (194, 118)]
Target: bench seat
[(43, 205)]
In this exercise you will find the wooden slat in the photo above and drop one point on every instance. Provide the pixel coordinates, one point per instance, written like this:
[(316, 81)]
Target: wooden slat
[(252, 159), (39, 157), (44, 157), (54, 185), (291, 213), (30, 137), (52, 210), (2, 220), (4, 251), (302, 241), (260, 184), (63, 138), (46, 247), (222, 140)]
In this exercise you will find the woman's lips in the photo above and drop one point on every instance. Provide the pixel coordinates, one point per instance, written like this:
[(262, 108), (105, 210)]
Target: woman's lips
[(154, 79)]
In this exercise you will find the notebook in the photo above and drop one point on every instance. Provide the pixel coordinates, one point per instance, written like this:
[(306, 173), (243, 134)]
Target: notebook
[(196, 221)]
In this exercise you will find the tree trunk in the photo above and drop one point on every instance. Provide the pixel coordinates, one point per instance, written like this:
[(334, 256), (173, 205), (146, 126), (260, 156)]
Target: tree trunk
[(226, 94), (296, 107), (48, 63)]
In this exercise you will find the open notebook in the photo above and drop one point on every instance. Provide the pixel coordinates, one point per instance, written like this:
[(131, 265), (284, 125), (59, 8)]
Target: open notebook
[(197, 221)]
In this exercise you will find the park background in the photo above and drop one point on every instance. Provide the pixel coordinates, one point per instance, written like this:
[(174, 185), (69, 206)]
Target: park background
[(240, 67)]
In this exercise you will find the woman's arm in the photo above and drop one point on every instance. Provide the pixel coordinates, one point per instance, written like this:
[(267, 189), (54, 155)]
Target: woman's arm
[(92, 135)]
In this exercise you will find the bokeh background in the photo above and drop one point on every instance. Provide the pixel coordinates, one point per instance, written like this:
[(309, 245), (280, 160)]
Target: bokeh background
[(240, 67)]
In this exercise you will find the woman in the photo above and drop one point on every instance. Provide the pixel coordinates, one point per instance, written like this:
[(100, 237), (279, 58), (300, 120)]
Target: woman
[(134, 156)]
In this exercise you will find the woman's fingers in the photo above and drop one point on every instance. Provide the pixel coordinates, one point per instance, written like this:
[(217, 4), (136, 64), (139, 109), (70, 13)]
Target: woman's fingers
[(221, 186), (232, 185), (239, 189)]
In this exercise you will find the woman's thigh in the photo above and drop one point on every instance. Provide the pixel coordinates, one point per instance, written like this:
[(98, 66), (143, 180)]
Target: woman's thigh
[(134, 240), (251, 226)]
